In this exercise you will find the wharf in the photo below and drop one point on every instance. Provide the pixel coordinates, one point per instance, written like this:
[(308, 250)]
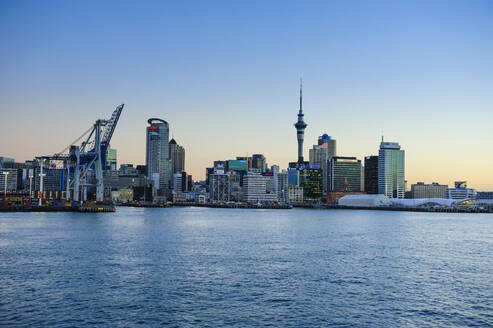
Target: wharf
[(405, 209), (50, 208), (212, 205)]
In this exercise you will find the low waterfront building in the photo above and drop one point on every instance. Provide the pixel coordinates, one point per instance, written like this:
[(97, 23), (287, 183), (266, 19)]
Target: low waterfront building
[(364, 200), (219, 186), (484, 195), (122, 195), (9, 177), (295, 194), (461, 191), (255, 188), (434, 190), (334, 196), (4, 160)]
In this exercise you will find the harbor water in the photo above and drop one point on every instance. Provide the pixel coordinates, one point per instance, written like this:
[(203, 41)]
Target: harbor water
[(209, 267)]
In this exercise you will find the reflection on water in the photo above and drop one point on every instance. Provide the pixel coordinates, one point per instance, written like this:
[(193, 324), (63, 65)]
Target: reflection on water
[(239, 267)]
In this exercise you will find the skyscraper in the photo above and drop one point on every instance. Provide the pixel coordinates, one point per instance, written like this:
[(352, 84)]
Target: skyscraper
[(177, 157), (300, 126), (259, 162), (391, 180), (157, 154), (371, 174), (321, 154)]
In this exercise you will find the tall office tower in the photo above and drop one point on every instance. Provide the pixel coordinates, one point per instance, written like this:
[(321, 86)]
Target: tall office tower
[(321, 154), (300, 126), (177, 157), (344, 174), (157, 155), (259, 162), (180, 182), (281, 184), (311, 179), (371, 174), (391, 181)]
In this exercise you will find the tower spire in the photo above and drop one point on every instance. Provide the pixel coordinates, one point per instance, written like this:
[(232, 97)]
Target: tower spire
[(300, 126), (301, 95)]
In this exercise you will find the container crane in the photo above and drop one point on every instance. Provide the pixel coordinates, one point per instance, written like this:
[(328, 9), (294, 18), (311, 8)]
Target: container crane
[(88, 156)]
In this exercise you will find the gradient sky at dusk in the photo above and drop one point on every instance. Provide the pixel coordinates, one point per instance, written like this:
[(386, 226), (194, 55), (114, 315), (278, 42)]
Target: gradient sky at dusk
[(225, 76)]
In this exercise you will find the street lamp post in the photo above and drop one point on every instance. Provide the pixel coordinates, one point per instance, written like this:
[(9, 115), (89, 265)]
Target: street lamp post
[(30, 186), (41, 175), (5, 189)]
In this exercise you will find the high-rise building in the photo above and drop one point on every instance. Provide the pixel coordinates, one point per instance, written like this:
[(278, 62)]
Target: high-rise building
[(300, 126), (157, 155), (281, 186), (391, 181), (177, 157), (344, 174), (259, 162), (371, 174), (180, 182), (434, 190), (311, 179), (321, 154)]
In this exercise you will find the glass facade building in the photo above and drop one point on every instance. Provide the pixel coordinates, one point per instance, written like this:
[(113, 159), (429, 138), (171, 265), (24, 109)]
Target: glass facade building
[(238, 165), (311, 179), (371, 174), (157, 155), (344, 174), (391, 181)]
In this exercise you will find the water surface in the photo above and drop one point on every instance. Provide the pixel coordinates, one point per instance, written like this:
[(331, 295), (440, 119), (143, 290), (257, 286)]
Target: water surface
[(190, 267)]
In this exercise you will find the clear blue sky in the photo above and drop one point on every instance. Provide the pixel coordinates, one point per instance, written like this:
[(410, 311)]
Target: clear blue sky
[(225, 76)]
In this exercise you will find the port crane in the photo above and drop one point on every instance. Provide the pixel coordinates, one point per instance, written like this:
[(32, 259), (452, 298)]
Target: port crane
[(85, 156)]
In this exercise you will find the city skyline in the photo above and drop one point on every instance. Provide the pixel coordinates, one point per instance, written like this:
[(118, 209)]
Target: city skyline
[(426, 85)]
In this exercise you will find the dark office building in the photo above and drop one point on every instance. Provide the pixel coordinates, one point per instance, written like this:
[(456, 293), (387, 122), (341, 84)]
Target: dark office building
[(371, 174), (311, 179), (259, 162), (344, 174)]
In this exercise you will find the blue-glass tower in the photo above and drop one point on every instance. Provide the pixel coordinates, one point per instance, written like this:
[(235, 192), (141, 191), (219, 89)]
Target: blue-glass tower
[(300, 127)]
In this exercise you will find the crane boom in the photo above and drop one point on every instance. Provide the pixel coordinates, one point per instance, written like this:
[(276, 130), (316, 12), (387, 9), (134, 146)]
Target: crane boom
[(111, 125)]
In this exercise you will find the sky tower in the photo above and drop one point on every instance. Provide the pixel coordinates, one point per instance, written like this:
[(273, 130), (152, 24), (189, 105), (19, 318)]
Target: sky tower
[(300, 126)]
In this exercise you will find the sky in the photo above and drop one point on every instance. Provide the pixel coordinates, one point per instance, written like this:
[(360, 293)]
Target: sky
[(225, 76)]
